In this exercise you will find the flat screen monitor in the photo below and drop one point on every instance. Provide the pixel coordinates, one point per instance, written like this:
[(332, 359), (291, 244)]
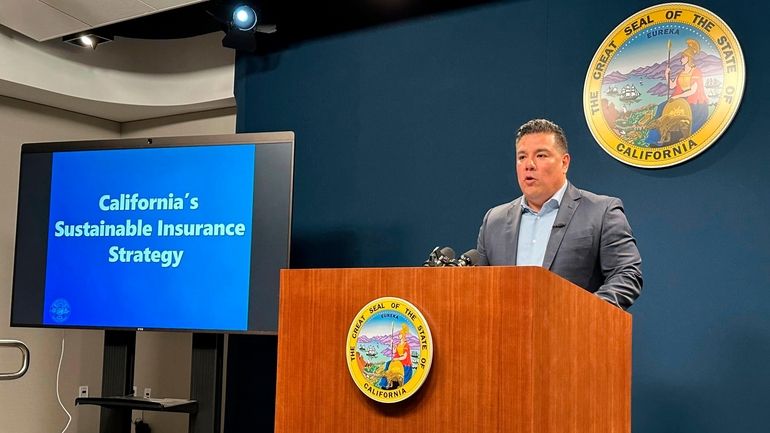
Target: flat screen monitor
[(172, 233)]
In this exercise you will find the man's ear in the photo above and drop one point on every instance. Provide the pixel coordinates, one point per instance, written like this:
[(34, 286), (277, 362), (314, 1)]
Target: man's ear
[(565, 162)]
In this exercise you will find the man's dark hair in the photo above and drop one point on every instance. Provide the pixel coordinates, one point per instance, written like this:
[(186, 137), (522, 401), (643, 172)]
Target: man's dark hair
[(536, 126)]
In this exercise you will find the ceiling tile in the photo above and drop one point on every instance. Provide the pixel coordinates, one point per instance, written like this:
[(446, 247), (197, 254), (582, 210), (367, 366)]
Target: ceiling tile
[(102, 12), (170, 4), (37, 20)]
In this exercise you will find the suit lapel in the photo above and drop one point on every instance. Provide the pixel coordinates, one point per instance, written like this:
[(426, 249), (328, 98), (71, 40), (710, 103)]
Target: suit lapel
[(569, 204), (512, 231)]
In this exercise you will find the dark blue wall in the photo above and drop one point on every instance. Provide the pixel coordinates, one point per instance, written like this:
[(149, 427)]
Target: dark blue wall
[(404, 139)]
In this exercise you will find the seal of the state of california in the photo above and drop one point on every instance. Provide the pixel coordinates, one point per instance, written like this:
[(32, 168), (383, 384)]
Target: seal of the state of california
[(389, 350), (664, 85)]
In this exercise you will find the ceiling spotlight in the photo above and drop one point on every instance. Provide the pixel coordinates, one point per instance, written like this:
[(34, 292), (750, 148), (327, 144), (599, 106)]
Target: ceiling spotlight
[(243, 27), (87, 40), (244, 18)]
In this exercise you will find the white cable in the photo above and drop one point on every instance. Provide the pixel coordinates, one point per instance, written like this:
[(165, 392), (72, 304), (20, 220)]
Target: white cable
[(57, 387)]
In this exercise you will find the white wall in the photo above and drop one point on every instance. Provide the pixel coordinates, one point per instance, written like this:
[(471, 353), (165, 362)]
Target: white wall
[(125, 80), (29, 404), (221, 121)]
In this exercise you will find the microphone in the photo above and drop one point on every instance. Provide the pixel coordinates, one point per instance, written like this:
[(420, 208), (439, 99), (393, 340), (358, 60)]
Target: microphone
[(468, 258), (440, 257)]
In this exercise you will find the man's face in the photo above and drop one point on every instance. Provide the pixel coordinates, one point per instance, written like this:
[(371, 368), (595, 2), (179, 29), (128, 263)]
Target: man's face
[(541, 167)]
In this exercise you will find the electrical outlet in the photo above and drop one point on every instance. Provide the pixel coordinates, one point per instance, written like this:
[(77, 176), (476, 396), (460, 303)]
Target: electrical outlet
[(147, 392), (133, 394), (83, 391)]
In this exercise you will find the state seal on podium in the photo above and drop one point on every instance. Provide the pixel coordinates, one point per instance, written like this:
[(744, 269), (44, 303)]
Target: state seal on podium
[(389, 350)]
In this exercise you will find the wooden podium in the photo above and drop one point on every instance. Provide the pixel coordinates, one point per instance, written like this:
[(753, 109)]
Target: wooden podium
[(516, 349)]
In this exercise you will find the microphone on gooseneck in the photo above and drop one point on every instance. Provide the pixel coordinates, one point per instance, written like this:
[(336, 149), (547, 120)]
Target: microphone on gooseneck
[(432, 259), (440, 257), (447, 256), (468, 258)]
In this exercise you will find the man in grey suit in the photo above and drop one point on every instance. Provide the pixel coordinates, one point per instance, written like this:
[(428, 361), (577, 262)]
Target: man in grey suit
[(582, 236)]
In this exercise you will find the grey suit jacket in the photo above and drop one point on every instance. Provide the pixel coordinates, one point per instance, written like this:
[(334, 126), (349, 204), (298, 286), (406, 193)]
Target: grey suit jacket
[(591, 244)]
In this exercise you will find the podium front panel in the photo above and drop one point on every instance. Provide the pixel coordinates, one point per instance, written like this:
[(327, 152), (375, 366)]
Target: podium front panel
[(503, 356)]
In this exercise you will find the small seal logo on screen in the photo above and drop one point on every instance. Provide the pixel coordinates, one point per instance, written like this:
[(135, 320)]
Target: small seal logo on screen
[(389, 350), (60, 310)]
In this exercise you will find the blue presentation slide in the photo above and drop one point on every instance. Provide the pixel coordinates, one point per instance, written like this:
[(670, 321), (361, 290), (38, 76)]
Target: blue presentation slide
[(150, 238)]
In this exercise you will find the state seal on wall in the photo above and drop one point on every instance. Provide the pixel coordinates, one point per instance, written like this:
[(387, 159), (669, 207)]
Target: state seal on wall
[(664, 85), (389, 350)]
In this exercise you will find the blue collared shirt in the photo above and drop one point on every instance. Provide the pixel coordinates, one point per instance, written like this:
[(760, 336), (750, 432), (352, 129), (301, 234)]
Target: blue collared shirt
[(535, 229)]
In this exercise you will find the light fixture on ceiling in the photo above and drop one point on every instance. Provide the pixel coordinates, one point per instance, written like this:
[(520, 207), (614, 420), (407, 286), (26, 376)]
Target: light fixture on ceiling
[(244, 18), (241, 27), (87, 40)]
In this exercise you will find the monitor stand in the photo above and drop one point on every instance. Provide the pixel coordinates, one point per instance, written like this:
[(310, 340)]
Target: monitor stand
[(118, 378), (206, 382)]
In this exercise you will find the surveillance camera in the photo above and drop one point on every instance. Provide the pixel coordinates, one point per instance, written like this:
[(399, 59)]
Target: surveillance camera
[(149, 141)]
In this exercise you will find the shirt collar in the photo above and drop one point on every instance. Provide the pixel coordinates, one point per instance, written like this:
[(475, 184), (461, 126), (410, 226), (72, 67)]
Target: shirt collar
[(553, 202)]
